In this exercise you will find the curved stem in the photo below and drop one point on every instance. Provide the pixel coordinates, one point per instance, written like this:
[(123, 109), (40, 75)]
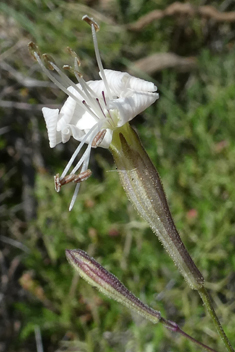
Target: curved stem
[(175, 327), (209, 306)]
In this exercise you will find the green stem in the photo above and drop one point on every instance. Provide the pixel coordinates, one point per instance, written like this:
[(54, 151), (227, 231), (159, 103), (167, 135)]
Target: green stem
[(209, 306)]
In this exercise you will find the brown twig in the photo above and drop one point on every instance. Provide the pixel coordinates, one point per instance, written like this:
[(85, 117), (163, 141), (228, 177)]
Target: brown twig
[(180, 9), (160, 61)]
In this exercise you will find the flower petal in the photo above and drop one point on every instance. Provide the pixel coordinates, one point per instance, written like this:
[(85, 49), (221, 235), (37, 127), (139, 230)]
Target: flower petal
[(86, 121), (70, 110), (51, 118), (66, 133), (133, 105), (76, 133), (121, 82), (117, 81), (107, 139), (98, 87), (140, 85)]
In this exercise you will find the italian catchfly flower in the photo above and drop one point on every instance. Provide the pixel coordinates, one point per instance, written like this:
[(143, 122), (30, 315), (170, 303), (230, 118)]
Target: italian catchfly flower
[(93, 109)]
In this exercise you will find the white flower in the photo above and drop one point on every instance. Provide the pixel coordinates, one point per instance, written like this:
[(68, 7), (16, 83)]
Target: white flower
[(93, 109)]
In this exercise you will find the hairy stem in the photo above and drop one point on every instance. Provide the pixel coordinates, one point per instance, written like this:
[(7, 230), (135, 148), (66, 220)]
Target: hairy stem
[(209, 306), (174, 327)]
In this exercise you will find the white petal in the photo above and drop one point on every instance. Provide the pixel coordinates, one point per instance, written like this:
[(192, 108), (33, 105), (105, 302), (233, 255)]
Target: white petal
[(76, 133), (120, 82), (140, 85), (73, 114), (133, 105), (66, 133), (97, 87), (87, 121), (51, 117), (107, 139), (67, 113), (117, 81)]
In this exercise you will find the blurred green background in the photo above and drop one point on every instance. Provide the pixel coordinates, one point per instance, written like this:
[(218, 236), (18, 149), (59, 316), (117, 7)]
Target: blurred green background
[(190, 136)]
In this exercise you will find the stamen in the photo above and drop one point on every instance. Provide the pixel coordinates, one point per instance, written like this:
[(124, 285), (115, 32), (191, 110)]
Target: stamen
[(98, 138), (57, 182), (98, 126), (67, 179), (94, 29), (72, 70), (91, 22), (109, 113), (83, 169), (48, 60), (86, 89), (74, 55), (103, 95), (89, 109), (100, 107), (66, 79), (61, 86), (33, 48), (75, 194), (77, 61), (92, 93), (85, 156), (71, 83), (83, 176)]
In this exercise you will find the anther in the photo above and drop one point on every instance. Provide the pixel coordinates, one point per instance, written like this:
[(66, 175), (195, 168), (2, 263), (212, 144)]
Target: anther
[(83, 176), (63, 181), (67, 67), (98, 138), (91, 22), (33, 48), (48, 60), (67, 179), (74, 55), (57, 182), (72, 70)]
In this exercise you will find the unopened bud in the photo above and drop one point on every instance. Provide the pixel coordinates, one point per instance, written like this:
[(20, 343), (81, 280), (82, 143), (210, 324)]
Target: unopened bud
[(97, 276)]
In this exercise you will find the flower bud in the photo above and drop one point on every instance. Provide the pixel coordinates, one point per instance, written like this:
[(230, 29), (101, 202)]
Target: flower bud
[(97, 276)]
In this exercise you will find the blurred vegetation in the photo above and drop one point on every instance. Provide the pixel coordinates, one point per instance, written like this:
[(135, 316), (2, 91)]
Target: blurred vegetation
[(190, 136)]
